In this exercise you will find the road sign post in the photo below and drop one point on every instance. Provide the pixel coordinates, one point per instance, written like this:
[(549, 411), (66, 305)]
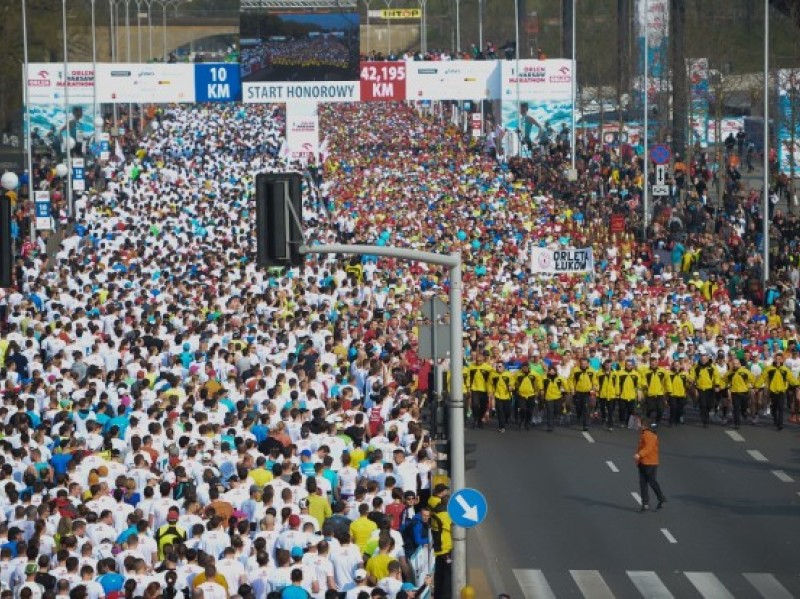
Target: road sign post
[(456, 410)]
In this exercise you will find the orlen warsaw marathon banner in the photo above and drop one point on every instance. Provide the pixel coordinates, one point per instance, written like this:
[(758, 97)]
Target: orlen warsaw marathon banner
[(120, 83), (542, 90)]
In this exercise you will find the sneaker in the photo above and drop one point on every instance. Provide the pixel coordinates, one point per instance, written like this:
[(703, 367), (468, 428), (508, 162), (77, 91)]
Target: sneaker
[(610, 428), (644, 507), (585, 428), (661, 503), (502, 430)]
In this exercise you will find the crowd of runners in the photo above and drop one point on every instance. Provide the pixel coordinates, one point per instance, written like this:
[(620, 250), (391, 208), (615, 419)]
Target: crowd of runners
[(179, 421)]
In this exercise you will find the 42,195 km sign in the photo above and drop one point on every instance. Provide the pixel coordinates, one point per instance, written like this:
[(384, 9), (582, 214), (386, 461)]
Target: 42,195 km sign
[(383, 81)]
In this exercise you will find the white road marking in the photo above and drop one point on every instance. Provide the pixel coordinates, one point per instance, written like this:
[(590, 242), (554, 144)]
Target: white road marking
[(708, 585), (757, 455), (612, 466), (768, 586), (782, 476), (588, 437), (591, 584), (735, 436), (534, 585), (669, 536), (637, 497), (649, 585)]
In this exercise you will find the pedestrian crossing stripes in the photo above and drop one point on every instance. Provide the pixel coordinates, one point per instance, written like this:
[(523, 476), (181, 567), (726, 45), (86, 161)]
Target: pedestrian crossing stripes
[(592, 584)]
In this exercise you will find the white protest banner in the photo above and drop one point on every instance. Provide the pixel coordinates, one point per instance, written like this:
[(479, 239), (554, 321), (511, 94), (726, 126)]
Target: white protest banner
[(560, 262)]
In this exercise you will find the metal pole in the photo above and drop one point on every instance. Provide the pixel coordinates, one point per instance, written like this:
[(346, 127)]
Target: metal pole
[(128, 30), (766, 142), (389, 29), (112, 5), (458, 28), (574, 135), (367, 2), (425, 26), (456, 409), (94, 75), (480, 25), (520, 126), (139, 28), (66, 108), (164, 26), (646, 85), (457, 454), (29, 152), (150, 30)]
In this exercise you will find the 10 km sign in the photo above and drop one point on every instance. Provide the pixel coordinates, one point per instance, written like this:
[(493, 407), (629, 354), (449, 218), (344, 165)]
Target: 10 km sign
[(383, 81)]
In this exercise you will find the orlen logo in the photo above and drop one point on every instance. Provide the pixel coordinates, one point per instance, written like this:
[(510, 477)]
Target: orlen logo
[(563, 76), (42, 80)]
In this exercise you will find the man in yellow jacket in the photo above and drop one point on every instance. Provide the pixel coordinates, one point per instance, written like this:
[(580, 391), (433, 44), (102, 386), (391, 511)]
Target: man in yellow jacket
[(528, 386), (677, 387), (479, 373), (775, 380), (629, 382), (553, 389), (706, 379), (655, 389), (441, 525), (583, 383), (740, 386), (607, 393), (501, 389)]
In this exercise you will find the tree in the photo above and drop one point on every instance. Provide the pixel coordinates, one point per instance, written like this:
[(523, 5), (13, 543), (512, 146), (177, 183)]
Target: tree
[(679, 77)]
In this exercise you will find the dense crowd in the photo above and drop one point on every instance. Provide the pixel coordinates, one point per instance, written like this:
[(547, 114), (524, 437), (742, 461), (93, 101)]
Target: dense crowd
[(302, 53), (177, 420)]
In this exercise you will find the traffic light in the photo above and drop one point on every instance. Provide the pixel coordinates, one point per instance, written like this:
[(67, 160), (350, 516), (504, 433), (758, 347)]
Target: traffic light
[(6, 256), (279, 213)]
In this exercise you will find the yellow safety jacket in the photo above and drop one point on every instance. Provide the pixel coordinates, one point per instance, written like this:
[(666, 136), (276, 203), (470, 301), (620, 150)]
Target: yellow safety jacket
[(676, 384), (582, 381), (607, 384), (501, 384), (479, 375), (629, 382), (776, 379), (528, 385), (741, 380)]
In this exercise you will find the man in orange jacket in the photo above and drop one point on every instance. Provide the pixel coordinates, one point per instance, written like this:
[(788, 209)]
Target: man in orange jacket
[(647, 460)]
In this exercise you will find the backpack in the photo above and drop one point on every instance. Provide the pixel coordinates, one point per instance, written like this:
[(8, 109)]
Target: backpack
[(375, 420), (407, 532)]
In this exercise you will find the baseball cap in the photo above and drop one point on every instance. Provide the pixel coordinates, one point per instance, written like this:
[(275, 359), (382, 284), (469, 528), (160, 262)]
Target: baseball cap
[(407, 586), (294, 520), (31, 568), (297, 552), (306, 453), (361, 574)]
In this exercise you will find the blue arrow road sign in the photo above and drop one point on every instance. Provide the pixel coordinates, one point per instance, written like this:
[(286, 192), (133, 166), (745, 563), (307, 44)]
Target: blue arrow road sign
[(467, 508)]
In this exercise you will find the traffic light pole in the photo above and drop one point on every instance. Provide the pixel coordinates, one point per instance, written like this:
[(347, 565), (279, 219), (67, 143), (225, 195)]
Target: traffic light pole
[(457, 474)]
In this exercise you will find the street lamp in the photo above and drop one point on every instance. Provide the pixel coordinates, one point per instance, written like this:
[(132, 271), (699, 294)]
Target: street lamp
[(765, 183), (9, 181)]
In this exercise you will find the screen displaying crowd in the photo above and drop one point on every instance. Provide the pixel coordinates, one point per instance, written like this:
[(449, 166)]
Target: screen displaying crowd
[(178, 421)]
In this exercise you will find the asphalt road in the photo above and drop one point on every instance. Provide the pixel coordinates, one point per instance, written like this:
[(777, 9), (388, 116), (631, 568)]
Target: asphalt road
[(564, 520)]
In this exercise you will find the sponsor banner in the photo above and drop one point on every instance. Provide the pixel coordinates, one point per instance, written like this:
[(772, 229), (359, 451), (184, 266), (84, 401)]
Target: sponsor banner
[(302, 131), (789, 125), (453, 80), (46, 83), (541, 93), (698, 99), (396, 13), (282, 91), (41, 204), (105, 146), (146, 83), (78, 174), (654, 15), (383, 81), (557, 262), (726, 126)]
